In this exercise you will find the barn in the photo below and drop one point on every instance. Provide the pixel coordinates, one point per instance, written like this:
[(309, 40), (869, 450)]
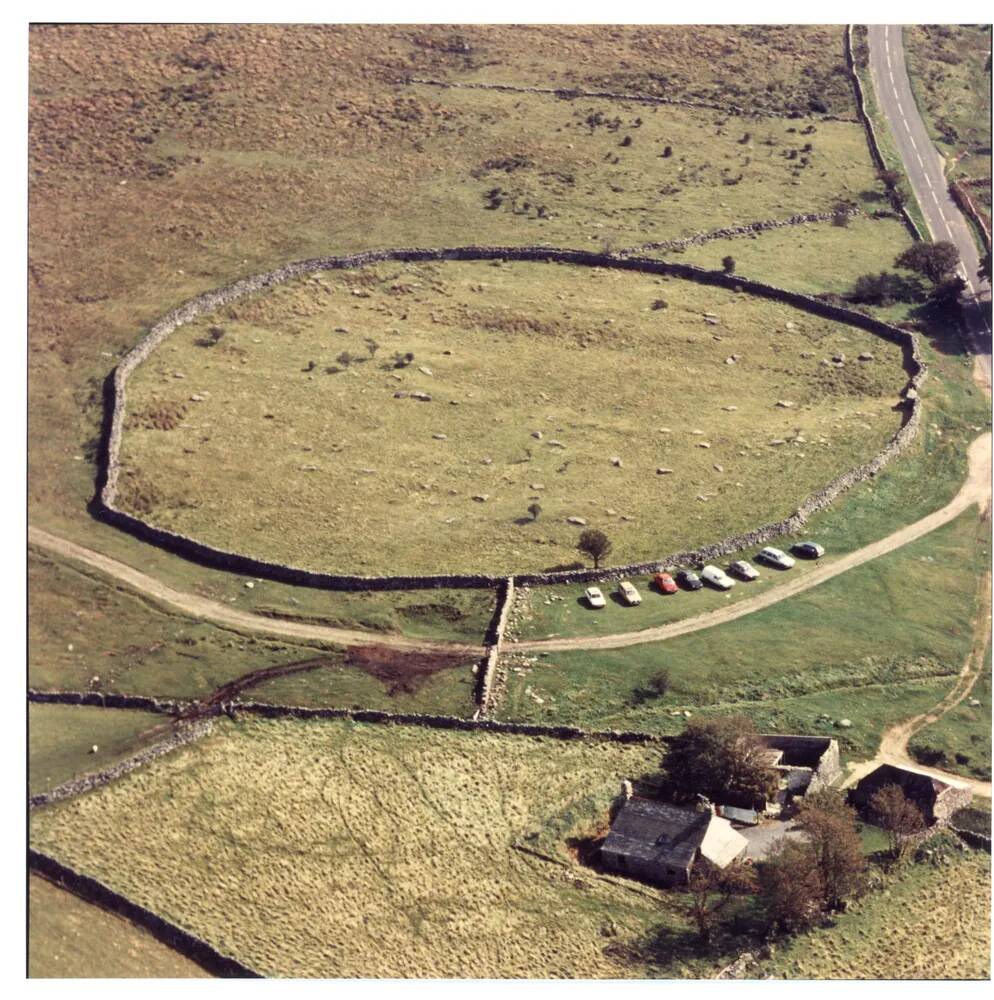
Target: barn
[(937, 799)]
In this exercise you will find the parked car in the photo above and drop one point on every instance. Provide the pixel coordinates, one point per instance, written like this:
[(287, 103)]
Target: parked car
[(665, 583), (688, 579), (629, 594), (775, 557), (594, 597), (808, 550), (717, 578), (744, 570)]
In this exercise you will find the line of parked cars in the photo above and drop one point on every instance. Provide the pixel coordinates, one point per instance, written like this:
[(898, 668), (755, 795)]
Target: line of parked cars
[(687, 579)]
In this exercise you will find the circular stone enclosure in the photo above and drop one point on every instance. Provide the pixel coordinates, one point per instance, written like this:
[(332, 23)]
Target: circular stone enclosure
[(474, 416)]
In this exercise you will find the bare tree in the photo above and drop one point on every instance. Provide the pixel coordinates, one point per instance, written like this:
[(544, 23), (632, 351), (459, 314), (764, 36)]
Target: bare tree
[(831, 828), (372, 346), (899, 816), (791, 885), (534, 509), (712, 889)]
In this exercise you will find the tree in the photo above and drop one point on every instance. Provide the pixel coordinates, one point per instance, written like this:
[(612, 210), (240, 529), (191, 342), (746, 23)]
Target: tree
[(344, 359), (889, 178), (372, 346), (790, 882), (534, 509), (722, 759), (667, 152), (984, 271), (712, 889), (595, 544), (894, 812), (841, 213), (831, 828), (936, 261), (728, 264)]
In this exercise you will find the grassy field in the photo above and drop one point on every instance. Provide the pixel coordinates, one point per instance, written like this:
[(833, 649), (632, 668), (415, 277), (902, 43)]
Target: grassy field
[(950, 71), (905, 623), (783, 69), (230, 168), (71, 939), (882, 935), (61, 738), (961, 740), (337, 850), (86, 634), (255, 449)]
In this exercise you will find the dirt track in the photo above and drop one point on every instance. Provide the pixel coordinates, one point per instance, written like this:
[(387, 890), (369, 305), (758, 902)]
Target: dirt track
[(894, 744), (976, 490), (243, 621)]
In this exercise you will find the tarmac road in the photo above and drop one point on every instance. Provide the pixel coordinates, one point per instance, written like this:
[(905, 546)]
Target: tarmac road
[(924, 167)]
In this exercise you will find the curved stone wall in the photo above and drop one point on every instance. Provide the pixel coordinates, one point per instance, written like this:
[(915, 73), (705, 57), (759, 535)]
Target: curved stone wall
[(105, 507)]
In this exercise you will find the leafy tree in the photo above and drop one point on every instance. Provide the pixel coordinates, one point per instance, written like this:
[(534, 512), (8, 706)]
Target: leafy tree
[(841, 213), (595, 544), (667, 152), (722, 759), (936, 261), (344, 359), (534, 509), (831, 828), (885, 289), (712, 889), (894, 812), (984, 271), (791, 885), (889, 178), (728, 264)]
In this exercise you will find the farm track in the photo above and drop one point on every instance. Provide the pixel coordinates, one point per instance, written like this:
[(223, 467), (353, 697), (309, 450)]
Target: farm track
[(242, 621), (975, 490), (894, 744)]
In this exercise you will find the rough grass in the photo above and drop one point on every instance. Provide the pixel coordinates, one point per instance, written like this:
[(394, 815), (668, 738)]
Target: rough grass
[(60, 738), (326, 468), (340, 850), (900, 619), (961, 740), (71, 939), (949, 67), (929, 922), (87, 634)]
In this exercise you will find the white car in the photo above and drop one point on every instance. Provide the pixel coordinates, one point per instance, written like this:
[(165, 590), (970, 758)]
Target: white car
[(775, 557), (744, 570), (629, 594), (594, 597), (717, 578)]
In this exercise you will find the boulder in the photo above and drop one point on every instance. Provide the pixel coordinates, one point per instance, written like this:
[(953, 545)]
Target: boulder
[(661, 471), (576, 520)]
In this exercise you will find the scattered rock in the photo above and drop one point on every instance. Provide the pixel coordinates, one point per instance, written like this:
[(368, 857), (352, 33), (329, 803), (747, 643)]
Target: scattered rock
[(441, 437), (486, 461), (616, 461), (308, 468), (789, 325), (718, 468), (401, 394), (839, 359), (425, 370), (553, 443), (844, 723), (481, 497), (974, 703), (711, 320), (249, 585), (662, 471), (807, 354), (610, 512), (576, 520), (703, 444), (95, 748), (422, 396), (536, 486), (786, 404), (730, 409), (777, 441), (865, 356), (197, 398), (537, 435), (732, 359)]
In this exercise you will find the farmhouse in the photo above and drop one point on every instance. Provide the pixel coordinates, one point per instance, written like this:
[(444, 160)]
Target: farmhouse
[(662, 842), (937, 799)]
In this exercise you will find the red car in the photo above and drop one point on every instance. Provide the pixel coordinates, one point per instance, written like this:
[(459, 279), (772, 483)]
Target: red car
[(665, 583)]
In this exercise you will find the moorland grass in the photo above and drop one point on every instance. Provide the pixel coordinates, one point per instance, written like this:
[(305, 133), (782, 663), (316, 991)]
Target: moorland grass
[(950, 71), (286, 438), (903, 619), (73, 939)]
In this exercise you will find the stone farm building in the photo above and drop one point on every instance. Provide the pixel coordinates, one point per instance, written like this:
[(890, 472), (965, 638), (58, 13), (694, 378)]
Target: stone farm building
[(661, 842), (937, 799), (803, 764)]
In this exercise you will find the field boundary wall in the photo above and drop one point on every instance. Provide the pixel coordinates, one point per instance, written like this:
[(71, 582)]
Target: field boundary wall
[(95, 892), (104, 504)]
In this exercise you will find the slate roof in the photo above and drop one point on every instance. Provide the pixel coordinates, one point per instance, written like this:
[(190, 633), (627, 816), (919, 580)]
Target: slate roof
[(923, 789), (665, 834)]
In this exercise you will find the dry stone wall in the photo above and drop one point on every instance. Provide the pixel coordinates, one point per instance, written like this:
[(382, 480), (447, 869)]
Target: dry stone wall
[(105, 502), (184, 734), (494, 642), (93, 891), (871, 135)]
